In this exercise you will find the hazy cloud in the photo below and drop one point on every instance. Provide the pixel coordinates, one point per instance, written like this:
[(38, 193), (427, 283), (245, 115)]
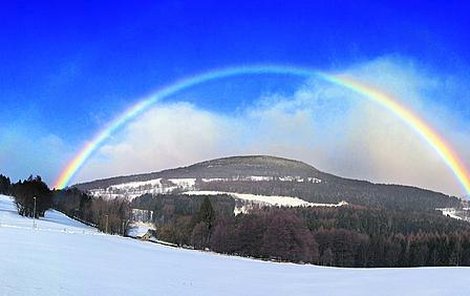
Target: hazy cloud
[(164, 137), (24, 153)]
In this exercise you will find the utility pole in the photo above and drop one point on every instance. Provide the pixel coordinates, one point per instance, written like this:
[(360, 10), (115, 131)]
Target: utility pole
[(34, 213)]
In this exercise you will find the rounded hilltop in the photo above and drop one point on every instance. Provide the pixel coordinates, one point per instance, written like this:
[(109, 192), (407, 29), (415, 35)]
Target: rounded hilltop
[(251, 165)]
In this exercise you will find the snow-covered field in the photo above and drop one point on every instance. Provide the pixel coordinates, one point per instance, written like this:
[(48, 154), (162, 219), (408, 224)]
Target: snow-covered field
[(265, 200), (450, 212), (459, 214), (139, 229), (63, 257)]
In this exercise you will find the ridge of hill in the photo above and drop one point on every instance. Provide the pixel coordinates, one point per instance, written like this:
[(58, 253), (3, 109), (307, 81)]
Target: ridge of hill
[(270, 176)]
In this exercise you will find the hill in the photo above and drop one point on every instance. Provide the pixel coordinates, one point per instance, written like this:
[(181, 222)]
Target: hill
[(270, 176)]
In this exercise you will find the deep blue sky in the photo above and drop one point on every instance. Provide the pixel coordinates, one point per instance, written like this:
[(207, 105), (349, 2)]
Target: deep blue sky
[(67, 67)]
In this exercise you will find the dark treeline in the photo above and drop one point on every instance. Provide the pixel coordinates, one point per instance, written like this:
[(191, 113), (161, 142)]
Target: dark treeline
[(167, 207), (5, 185), (363, 237), (345, 236), (185, 220), (108, 215), (32, 197), (334, 189), (208, 222)]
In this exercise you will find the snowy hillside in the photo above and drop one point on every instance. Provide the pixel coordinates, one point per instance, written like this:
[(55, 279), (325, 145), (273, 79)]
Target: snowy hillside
[(63, 257), (132, 190), (263, 175), (189, 186)]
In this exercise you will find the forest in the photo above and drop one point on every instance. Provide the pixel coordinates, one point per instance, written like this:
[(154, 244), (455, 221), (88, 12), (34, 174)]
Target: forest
[(108, 215), (32, 196), (334, 189), (350, 236)]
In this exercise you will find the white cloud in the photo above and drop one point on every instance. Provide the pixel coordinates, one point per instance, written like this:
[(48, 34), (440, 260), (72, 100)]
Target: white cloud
[(164, 137), (322, 124)]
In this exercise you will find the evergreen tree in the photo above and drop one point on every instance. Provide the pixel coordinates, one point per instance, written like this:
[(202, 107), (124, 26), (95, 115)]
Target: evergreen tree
[(32, 197), (206, 213), (5, 185)]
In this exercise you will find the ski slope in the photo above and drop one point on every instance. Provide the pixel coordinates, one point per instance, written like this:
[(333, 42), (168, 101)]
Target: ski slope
[(63, 257)]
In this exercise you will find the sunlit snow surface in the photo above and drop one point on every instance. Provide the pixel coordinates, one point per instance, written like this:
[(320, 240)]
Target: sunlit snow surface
[(132, 190), (139, 229), (265, 200), (63, 257)]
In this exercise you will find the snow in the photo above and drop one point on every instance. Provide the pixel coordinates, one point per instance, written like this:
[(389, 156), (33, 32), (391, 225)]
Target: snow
[(459, 214), (139, 229), (259, 178), (299, 179), (150, 183), (132, 190), (53, 221), (450, 212), (184, 183), (207, 180), (265, 178), (80, 261), (269, 200), (138, 215)]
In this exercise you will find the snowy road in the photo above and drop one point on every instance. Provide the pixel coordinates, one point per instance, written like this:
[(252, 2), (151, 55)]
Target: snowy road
[(64, 257)]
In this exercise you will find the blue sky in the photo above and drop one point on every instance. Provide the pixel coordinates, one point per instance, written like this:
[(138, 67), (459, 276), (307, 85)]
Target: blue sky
[(68, 67)]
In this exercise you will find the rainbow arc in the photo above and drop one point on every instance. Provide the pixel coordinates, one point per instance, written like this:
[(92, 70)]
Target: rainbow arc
[(390, 103)]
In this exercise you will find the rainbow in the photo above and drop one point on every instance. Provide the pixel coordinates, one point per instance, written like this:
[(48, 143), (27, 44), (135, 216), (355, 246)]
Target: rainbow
[(444, 150)]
